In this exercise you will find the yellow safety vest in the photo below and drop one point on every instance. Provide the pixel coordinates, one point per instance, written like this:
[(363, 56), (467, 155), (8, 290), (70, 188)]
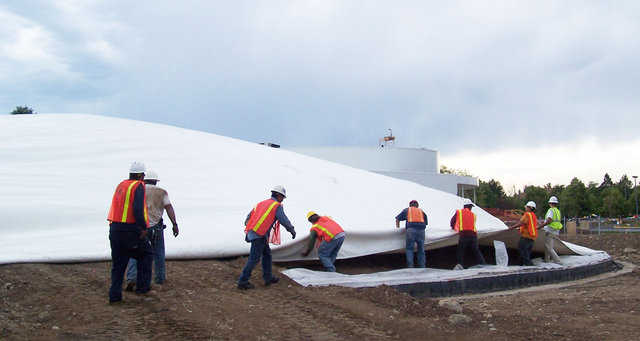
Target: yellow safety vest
[(555, 221)]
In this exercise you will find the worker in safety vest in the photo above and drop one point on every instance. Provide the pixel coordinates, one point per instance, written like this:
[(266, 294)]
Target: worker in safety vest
[(463, 221), (329, 234), (157, 202), (128, 230), (528, 233), (415, 226), (552, 226), (258, 225)]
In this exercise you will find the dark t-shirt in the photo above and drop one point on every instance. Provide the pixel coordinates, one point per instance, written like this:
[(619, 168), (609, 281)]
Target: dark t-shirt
[(420, 226)]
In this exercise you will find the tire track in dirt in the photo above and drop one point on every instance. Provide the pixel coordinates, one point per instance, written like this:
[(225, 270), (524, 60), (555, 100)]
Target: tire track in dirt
[(316, 315)]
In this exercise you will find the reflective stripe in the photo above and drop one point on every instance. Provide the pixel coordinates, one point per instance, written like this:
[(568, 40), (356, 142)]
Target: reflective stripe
[(461, 226), (264, 216), (532, 227), (475, 217), (324, 229), (126, 203), (556, 223)]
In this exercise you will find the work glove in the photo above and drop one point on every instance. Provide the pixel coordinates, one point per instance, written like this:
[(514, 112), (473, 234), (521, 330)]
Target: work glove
[(176, 231), (293, 234)]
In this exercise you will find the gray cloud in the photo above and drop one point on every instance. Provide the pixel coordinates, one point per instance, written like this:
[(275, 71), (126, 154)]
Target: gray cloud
[(444, 75)]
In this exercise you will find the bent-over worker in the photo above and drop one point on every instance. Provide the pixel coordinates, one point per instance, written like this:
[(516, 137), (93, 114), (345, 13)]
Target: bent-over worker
[(329, 234)]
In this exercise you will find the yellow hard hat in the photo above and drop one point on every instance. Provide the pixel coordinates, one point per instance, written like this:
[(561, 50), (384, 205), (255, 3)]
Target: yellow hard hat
[(310, 214)]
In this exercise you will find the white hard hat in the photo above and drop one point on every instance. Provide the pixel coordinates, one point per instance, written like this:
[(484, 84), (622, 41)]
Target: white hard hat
[(467, 202), (531, 204), (137, 167), (151, 175), (279, 189), (553, 200)]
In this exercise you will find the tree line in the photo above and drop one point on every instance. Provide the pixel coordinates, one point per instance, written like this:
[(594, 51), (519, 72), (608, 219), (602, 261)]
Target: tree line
[(22, 111), (607, 199)]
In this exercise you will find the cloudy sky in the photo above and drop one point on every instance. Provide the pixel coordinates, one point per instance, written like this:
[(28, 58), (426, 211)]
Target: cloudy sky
[(471, 79)]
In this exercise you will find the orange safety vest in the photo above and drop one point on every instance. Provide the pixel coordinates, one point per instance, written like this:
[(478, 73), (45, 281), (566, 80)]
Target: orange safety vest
[(262, 217), (415, 215), (326, 229), (121, 210), (465, 220), (530, 230)]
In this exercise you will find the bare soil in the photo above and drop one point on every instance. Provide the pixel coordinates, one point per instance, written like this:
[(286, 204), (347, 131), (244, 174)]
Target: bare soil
[(200, 302)]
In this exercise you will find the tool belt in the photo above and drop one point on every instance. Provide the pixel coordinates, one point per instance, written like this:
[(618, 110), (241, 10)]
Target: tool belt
[(155, 232)]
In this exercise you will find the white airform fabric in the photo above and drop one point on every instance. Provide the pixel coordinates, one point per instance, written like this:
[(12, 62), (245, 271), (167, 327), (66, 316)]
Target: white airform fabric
[(59, 171), (306, 277)]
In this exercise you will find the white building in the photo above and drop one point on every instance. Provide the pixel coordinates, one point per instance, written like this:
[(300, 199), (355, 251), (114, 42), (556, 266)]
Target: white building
[(419, 165)]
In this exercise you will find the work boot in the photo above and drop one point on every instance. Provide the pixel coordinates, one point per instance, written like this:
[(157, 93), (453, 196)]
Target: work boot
[(273, 280), (245, 286), (130, 286), (148, 292)]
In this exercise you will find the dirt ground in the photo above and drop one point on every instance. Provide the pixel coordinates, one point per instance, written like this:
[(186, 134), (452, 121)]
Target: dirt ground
[(200, 302)]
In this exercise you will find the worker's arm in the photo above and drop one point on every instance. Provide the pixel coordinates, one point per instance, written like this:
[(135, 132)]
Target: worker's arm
[(426, 221), (248, 217), (517, 225), (138, 210), (401, 217), (547, 221), (172, 216), (312, 241), (453, 222), (523, 221), (284, 221)]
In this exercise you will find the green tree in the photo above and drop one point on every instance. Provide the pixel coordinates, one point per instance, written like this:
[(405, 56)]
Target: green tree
[(613, 202), (461, 172), (573, 200), (22, 111), (537, 195), (606, 182), (594, 199), (625, 186), (556, 191), (635, 199), (490, 194)]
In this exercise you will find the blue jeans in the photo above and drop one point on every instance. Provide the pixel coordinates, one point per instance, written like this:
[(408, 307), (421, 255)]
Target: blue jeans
[(157, 244), (125, 245), (259, 249), (328, 251), (415, 237)]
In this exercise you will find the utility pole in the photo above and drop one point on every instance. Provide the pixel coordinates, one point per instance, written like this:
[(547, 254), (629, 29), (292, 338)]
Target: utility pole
[(635, 190)]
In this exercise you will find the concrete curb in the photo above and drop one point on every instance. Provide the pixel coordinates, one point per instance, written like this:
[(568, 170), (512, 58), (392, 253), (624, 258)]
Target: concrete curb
[(627, 268)]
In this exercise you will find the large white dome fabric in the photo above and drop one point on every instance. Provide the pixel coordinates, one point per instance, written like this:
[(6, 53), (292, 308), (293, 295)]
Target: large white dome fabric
[(59, 171)]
